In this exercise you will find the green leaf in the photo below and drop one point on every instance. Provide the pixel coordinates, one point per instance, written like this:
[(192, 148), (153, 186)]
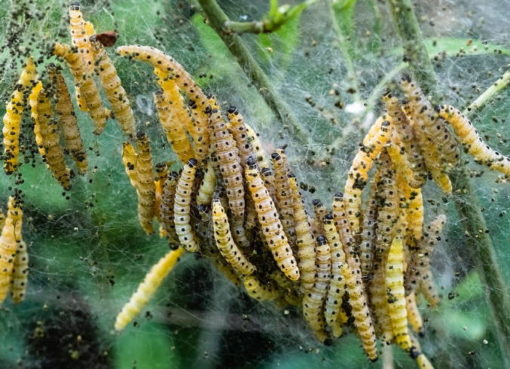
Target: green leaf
[(470, 325), (469, 289)]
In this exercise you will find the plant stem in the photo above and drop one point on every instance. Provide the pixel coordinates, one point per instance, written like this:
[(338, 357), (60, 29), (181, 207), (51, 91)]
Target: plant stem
[(244, 27), (470, 214), (218, 19)]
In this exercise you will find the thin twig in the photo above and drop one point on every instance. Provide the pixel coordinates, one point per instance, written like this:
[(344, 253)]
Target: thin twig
[(217, 20), (465, 200)]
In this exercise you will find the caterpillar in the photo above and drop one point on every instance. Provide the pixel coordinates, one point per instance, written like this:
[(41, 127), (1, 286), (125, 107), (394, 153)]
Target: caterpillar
[(47, 135), (240, 133), (429, 291), (472, 141), (415, 213), (257, 147), (182, 207), (10, 239), (282, 192), (420, 260), (145, 186), (357, 176), (166, 210), (333, 306), (269, 181), (368, 231), (403, 133), (421, 360), (112, 85), (313, 299), (288, 289), (413, 314), (270, 224), (430, 123), (401, 162), (147, 288), (129, 158), (227, 157), (379, 305), (258, 290), (225, 244), (20, 273), (320, 212), (67, 120), (86, 85), (394, 281), (225, 269), (208, 185), (14, 114), (159, 180), (173, 70), (174, 131), (305, 243)]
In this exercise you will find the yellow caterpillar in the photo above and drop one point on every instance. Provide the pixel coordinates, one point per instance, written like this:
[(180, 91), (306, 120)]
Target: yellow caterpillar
[(314, 298), (472, 141), (395, 292), (368, 231), (159, 180), (258, 290), (415, 213), (67, 121), (173, 70), (270, 224), (240, 133), (320, 212), (304, 240), (208, 185), (225, 244), (166, 210), (419, 266), (20, 273), (182, 207), (379, 305), (269, 180), (282, 192), (10, 239), (333, 306), (47, 135), (129, 158), (413, 314), (228, 161), (14, 114), (257, 147), (86, 85), (115, 93), (145, 186), (429, 291), (357, 177), (403, 132), (147, 288), (174, 131)]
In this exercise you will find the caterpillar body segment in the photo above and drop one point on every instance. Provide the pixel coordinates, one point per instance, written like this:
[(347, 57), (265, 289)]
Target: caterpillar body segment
[(472, 141), (368, 232), (129, 159), (419, 265), (225, 243), (403, 132), (159, 180), (86, 85), (415, 213), (240, 133), (313, 299), (13, 116), (270, 224), (394, 281), (20, 273), (288, 289), (413, 314), (428, 122), (305, 243), (257, 147), (260, 291), (147, 288), (269, 180), (10, 240), (173, 70), (320, 212), (282, 192), (112, 85), (239, 233), (357, 177), (146, 187), (379, 305), (225, 269), (228, 162), (182, 207), (47, 135), (401, 162), (80, 36), (68, 122), (166, 210), (208, 185), (173, 128), (333, 305)]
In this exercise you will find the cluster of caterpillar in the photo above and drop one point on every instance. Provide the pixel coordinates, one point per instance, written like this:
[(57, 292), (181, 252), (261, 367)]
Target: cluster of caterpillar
[(364, 261)]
